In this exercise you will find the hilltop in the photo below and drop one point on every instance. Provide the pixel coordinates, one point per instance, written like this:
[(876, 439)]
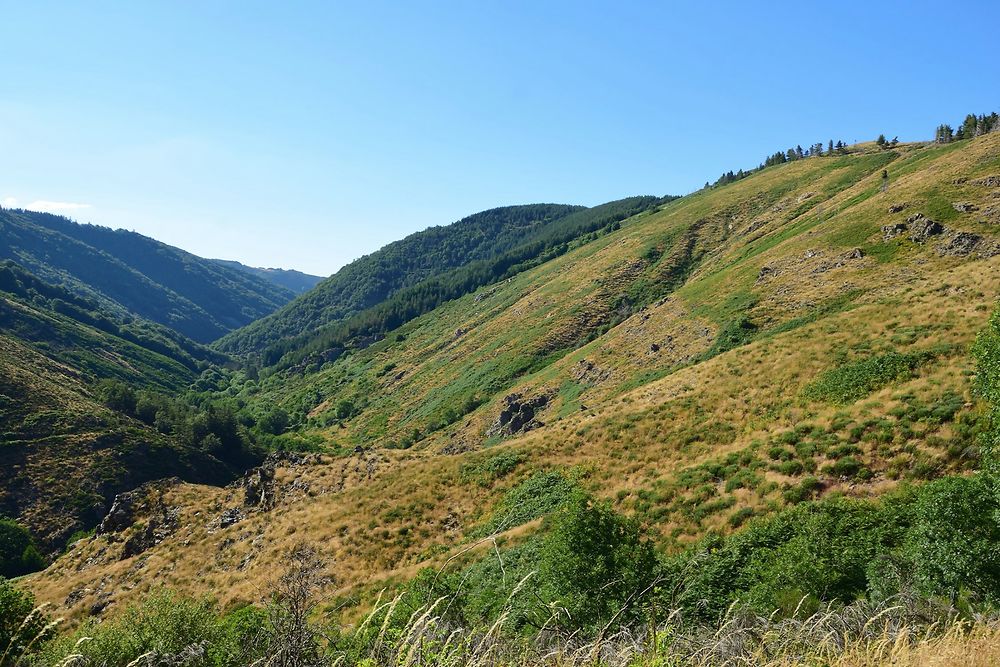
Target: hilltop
[(798, 333)]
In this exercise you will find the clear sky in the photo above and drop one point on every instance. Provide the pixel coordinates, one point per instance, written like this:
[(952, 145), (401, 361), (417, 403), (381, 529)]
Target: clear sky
[(303, 135)]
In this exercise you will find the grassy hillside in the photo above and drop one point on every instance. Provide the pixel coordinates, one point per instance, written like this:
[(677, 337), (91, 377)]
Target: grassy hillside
[(296, 281), (132, 275), (800, 333), (481, 247), (63, 453)]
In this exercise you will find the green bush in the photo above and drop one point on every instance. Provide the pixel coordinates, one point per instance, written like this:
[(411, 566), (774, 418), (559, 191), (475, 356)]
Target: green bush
[(488, 470), (18, 553), (852, 381), (117, 395), (20, 623), (536, 496), (954, 543), (594, 564), (168, 624)]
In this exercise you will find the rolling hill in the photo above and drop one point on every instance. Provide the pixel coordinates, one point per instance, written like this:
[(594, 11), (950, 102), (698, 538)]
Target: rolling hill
[(486, 243), (135, 276), (800, 333)]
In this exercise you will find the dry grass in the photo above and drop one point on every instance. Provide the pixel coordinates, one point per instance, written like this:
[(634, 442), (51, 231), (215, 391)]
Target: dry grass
[(899, 632), (381, 515)]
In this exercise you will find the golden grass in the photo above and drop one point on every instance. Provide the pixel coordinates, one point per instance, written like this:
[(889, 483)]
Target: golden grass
[(381, 515)]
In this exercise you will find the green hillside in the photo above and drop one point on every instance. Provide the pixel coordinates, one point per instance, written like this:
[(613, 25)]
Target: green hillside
[(133, 275), (480, 247), (64, 453), (797, 335)]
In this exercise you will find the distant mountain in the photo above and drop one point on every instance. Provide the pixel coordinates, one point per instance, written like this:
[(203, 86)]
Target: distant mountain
[(296, 281), (131, 274)]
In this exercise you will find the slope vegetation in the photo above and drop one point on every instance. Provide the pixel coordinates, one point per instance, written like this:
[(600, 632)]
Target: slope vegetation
[(799, 333), (410, 277), (295, 281), (64, 454)]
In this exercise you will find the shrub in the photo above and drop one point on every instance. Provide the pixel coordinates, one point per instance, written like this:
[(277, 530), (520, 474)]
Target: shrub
[(845, 467), (487, 471), (852, 381), (804, 490), (18, 553), (954, 540), (20, 623), (595, 564), (536, 496), (117, 395)]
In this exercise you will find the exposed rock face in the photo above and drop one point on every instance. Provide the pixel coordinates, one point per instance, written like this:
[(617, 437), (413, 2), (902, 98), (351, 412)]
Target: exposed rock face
[(230, 516), (890, 232), (964, 207), (923, 228), (129, 506), (988, 182), (120, 516), (588, 372), (157, 529), (765, 273), (896, 208), (961, 244), (258, 487), (518, 415)]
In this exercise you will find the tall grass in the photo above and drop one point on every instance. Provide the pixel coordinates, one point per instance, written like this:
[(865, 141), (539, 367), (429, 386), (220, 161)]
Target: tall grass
[(900, 631)]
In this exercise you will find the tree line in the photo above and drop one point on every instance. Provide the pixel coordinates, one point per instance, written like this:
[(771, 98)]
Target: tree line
[(972, 126)]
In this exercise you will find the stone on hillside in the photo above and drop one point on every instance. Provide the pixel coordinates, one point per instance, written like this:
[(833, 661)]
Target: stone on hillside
[(988, 181), (964, 206), (960, 245), (765, 273), (890, 232), (924, 228), (896, 208), (518, 415)]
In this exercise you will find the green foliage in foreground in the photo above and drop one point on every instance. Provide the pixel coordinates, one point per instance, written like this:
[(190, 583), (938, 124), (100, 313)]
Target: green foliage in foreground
[(592, 567), (19, 623), (591, 570), (167, 624)]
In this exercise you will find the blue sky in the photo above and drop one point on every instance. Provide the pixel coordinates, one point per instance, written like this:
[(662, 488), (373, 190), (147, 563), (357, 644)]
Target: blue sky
[(303, 135)]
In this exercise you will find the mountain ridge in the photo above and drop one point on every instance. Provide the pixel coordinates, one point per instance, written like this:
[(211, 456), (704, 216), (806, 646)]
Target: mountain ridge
[(132, 274)]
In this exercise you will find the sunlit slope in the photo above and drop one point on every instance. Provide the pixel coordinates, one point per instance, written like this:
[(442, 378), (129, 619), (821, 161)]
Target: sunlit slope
[(63, 455), (477, 348), (797, 333)]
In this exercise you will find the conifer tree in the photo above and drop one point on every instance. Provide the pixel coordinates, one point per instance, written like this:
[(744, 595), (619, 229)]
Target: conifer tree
[(968, 128)]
